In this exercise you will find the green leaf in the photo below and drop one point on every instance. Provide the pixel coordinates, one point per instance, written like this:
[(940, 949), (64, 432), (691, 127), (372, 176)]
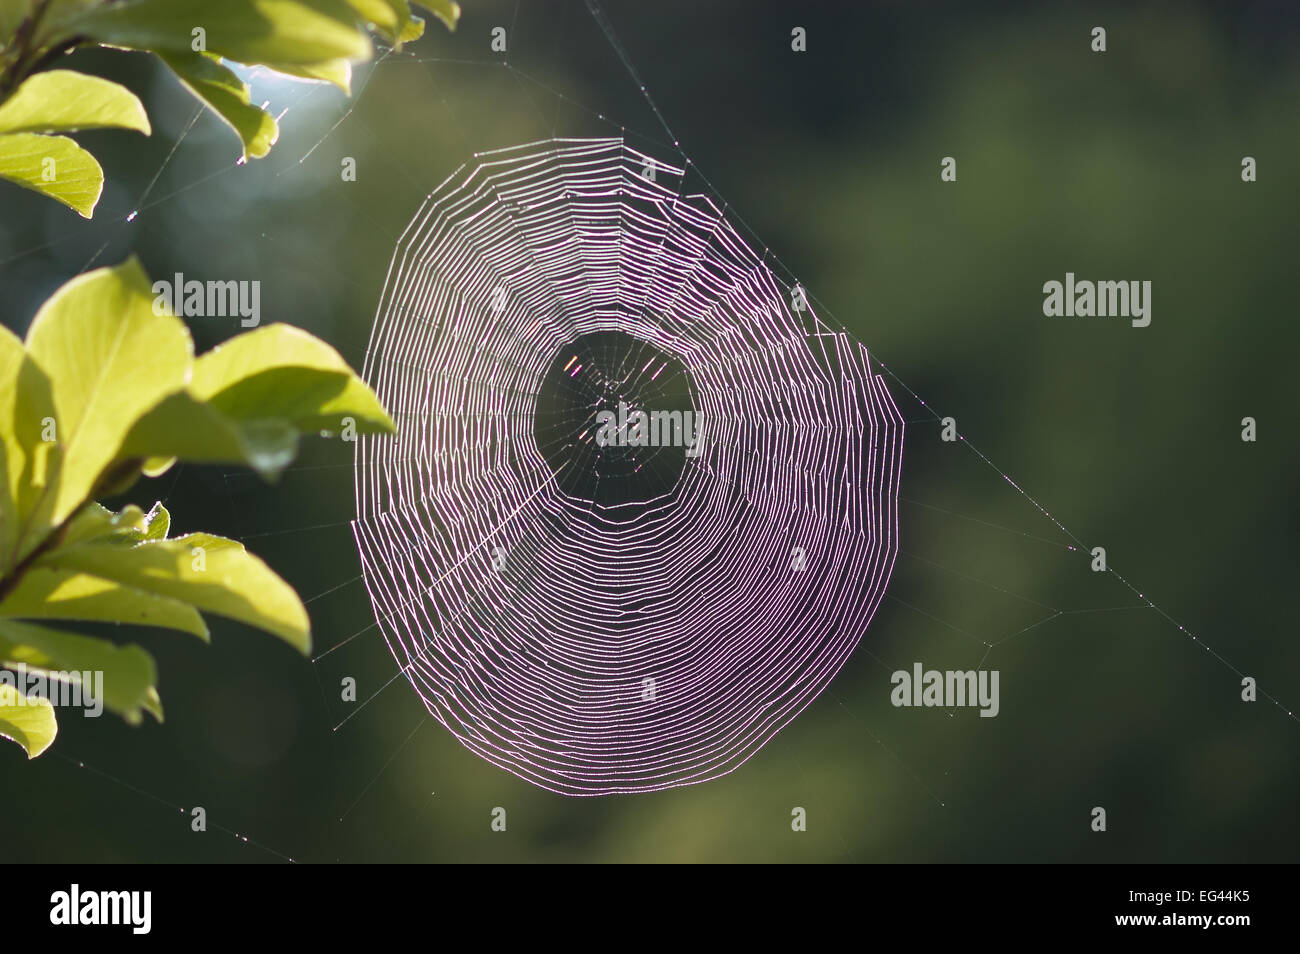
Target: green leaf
[(157, 522), (213, 574), (283, 372), (412, 31), (46, 593), (392, 18), (26, 459), (129, 673), (338, 72), (269, 32), (29, 722), (110, 358), (65, 101), (445, 10), (308, 399), (226, 95), (248, 400), (157, 466), (54, 166), (183, 427), (95, 520)]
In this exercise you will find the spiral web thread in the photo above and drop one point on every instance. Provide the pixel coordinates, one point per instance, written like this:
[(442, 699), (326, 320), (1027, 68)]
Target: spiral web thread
[(594, 650)]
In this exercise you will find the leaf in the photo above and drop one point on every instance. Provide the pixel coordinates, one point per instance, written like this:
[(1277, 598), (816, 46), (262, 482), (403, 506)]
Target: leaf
[(152, 704), (128, 672), (213, 574), (65, 101), (54, 166), (183, 427), (226, 95), (338, 72), (392, 18), (110, 357), (29, 722), (26, 459), (157, 522), (95, 520), (279, 371), (249, 398), (307, 399), (157, 466), (412, 31), (445, 10), (269, 32), (46, 593)]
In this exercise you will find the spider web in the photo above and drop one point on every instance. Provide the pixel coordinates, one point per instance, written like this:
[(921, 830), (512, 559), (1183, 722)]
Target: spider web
[(657, 642)]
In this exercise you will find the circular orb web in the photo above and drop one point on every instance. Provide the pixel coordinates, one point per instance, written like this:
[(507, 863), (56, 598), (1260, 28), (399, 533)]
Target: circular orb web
[(601, 617)]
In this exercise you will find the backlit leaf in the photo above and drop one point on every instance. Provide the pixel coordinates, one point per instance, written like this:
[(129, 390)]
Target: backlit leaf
[(54, 166), (29, 722), (128, 672), (65, 101), (110, 358)]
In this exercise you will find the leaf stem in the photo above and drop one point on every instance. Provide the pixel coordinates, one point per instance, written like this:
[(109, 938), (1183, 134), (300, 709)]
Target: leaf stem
[(27, 56)]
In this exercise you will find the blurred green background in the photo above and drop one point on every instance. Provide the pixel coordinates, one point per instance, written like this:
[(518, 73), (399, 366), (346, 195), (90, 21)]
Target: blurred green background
[(1122, 165)]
